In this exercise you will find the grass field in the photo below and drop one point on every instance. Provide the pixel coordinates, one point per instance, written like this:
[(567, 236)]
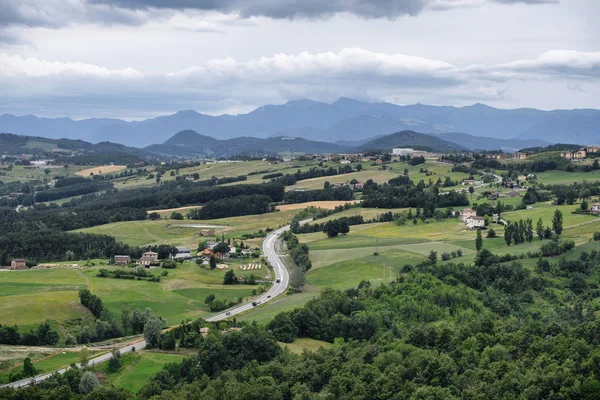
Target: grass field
[(138, 367), (328, 205), (102, 169), (302, 344), (362, 176), (33, 296), (137, 233)]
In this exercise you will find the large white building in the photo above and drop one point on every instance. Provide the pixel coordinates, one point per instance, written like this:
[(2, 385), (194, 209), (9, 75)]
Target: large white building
[(402, 151)]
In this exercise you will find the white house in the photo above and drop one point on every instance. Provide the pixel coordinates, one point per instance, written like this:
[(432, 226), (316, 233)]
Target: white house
[(475, 222), (595, 208), (402, 151), (467, 213)]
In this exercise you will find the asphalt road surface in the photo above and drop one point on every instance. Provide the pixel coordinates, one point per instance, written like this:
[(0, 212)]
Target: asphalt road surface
[(282, 279)]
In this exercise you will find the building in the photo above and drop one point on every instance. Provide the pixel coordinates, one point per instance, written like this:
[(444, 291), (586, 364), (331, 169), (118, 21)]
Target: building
[(402, 151), (207, 232), (18, 263), (521, 178), (246, 252), (475, 222), (574, 155), (595, 208), (512, 193), (468, 181), (345, 161), (592, 149), (519, 156), (183, 253), (467, 213), (148, 258), (122, 260)]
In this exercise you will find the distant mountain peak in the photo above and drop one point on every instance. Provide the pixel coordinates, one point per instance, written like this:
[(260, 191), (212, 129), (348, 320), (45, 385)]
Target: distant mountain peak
[(188, 137)]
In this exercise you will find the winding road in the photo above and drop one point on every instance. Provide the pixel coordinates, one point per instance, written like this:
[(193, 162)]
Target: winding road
[(280, 285)]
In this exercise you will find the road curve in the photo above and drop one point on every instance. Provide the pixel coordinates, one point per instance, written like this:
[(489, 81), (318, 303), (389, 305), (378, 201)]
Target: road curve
[(282, 279)]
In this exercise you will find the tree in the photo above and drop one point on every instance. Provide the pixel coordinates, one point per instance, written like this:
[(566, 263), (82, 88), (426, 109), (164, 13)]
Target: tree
[(154, 216), (115, 362), (152, 329), (491, 234), (508, 231), (433, 256), (584, 205), (88, 382), (84, 356), (229, 278), (28, 368), (539, 229), (212, 262), (297, 278), (478, 241), (209, 299), (176, 215), (471, 190), (221, 247), (557, 222)]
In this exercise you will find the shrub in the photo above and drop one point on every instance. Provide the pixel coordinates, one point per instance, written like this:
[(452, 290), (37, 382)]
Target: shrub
[(491, 234), (445, 256), (596, 235)]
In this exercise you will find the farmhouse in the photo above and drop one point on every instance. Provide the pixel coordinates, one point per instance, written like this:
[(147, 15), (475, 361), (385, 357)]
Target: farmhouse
[(207, 232), (468, 181), (467, 213), (475, 222), (183, 253), (18, 263), (519, 156), (122, 260), (148, 258), (521, 178), (574, 155), (595, 208)]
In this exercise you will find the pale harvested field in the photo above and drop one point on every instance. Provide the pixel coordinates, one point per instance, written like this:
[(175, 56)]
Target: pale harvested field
[(103, 169), (170, 210), (328, 205)]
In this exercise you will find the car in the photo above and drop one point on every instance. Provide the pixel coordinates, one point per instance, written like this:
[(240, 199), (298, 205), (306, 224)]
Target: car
[(254, 303), (228, 313), (268, 296), (277, 280)]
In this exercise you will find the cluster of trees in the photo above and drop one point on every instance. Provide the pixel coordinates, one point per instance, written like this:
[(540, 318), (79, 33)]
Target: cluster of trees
[(341, 225), (292, 179), (43, 335), (75, 189), (400, 192), (341, 193), (140, 273), (518, 232), (299, 254), (233, 206), (215, 304)]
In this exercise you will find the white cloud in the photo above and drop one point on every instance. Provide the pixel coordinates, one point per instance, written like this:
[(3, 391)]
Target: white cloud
[(230, 85)]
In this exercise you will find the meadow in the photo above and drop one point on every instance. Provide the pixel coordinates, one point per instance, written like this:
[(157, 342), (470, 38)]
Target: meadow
[(33, 296), (137, 368)]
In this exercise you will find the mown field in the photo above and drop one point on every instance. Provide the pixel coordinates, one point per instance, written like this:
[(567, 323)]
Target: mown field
[(137, 368), (186, 232)]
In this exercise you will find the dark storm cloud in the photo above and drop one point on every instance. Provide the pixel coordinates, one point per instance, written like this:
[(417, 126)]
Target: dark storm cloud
[(284, 9)]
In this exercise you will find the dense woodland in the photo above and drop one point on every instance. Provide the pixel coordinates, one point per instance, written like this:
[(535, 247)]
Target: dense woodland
[(439, 331)]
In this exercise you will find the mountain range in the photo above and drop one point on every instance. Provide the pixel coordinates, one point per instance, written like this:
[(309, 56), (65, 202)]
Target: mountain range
[(345, 120)]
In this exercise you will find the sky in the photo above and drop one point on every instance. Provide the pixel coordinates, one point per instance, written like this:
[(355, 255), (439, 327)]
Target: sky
[(136, 59)]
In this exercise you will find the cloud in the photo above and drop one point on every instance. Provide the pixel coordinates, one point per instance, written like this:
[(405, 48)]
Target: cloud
[(227, 84), (59, 13), (575, 87)]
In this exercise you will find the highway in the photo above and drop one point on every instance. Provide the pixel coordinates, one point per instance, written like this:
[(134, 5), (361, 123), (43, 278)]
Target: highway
[(282, 279)]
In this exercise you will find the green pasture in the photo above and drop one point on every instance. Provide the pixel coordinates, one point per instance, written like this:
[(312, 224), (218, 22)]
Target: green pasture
[(33, 296), (138, 367), (362, 176), (305, 344), (564, 177), (181, 232), (264, 313)]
